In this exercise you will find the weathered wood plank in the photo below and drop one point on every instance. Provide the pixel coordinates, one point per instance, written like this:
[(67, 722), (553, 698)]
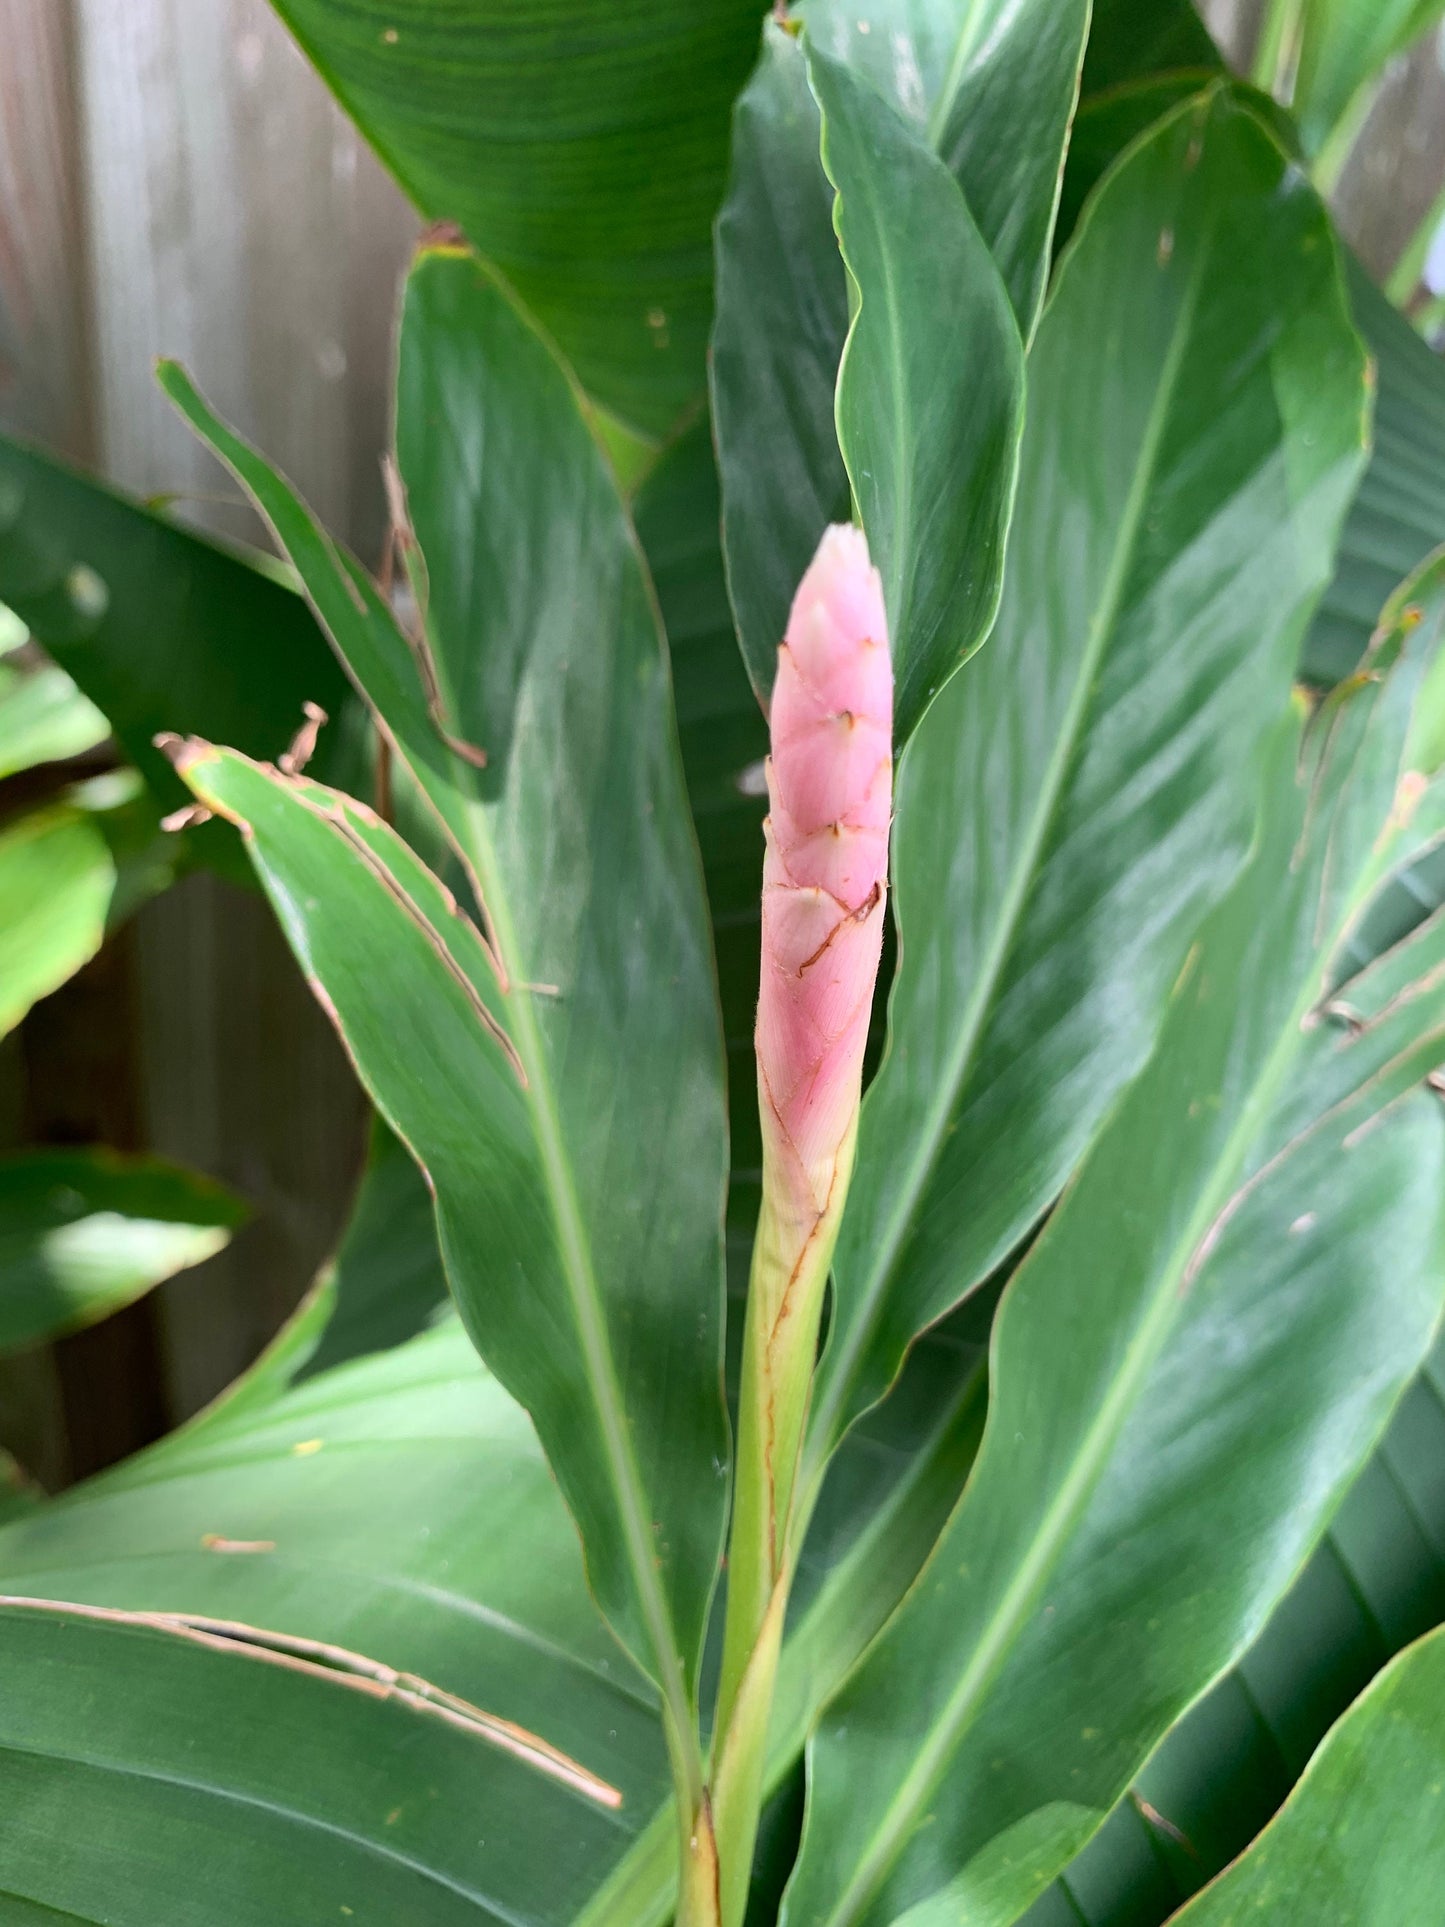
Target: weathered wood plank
[(44, 363)]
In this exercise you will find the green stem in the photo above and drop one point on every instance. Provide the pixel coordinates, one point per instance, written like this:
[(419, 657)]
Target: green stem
[(1339, 143), (792, 1254), (698, 1897)]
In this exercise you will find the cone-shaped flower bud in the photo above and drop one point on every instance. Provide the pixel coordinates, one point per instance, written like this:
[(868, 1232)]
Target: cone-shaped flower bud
[(830, 787)]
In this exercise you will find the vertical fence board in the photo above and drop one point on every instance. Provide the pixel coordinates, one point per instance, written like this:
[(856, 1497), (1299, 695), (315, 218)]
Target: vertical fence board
[(44, 364)]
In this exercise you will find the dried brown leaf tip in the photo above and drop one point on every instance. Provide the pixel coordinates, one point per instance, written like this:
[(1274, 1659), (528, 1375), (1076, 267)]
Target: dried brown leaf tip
[(303, 744)]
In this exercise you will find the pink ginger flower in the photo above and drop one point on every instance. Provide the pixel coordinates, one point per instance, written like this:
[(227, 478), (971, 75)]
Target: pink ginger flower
[(830, 785), (830, 788)]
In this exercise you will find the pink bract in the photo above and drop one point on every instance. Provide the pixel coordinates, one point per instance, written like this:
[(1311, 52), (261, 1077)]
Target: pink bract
[(830, 789)]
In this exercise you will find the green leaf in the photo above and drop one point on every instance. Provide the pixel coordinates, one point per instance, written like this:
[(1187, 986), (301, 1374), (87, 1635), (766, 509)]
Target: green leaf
[(992, 89), (325, 1599), (84, 1232), (582, 149), (1398, 515), (69, 873), (1131, 39), (1080, 795), (1360, 1837), (992, 86), (543, 653), (723, 739), (410, 986), (545, 633), (161, 629), (56, 880), (930, 387), (387, 1275), (44, 718), (1376, 1582), (1188, 1368), (782, 319), (1342, 49)]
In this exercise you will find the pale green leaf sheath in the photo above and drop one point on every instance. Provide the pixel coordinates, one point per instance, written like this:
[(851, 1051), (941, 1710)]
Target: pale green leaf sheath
[(535, 713), (1223, 1309)]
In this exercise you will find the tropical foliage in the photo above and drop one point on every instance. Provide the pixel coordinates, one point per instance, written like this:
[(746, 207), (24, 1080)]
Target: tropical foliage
[(1113, 1433)]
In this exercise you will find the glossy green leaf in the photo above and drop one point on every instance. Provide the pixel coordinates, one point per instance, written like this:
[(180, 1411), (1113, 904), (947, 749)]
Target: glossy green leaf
[(782, 319), (543, 655), (1131, 39), (724, 739), (1398, 514), (411, 988), (84, 1232), (1342, 47), (930, 387), (544, 630), (582, 148), (327, 1599), (1084, 790), (991, 88), (161, 629), (56, 879), (71, 871), (387, 1274), (1188, 1368), (1376, 1582), (44, 718), (1361, 1838)]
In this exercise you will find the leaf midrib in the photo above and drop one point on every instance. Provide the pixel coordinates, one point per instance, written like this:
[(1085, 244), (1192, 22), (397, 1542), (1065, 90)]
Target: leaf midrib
[(948, 94), (852, 1340), (573, 1244)]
